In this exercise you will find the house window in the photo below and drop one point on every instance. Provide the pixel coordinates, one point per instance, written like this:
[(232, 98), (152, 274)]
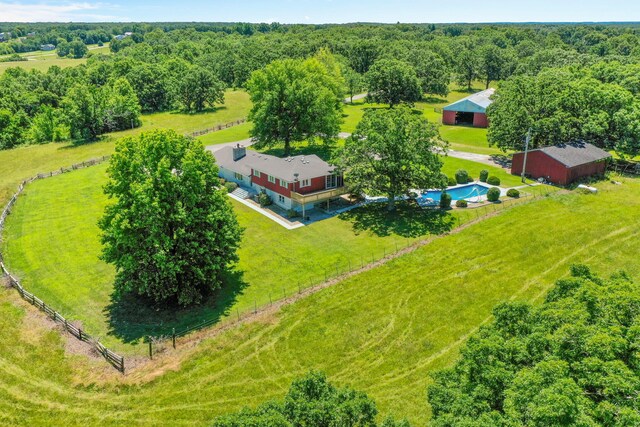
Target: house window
[(237, 176), (280, 198), (256, 173), (332, 181), (305, 183), (272, 179), (284, 184)]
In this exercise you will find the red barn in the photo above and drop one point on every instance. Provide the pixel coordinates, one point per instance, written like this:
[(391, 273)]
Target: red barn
[(471, 110), (563, 163)]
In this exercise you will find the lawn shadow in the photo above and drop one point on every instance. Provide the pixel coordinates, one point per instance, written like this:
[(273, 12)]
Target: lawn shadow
[(503, 160), (434, 100), (208, 110), (322, 150), (132, 317), (408, 220)]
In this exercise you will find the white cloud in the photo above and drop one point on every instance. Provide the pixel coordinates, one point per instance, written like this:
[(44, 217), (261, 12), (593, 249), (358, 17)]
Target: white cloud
[(54, 12)]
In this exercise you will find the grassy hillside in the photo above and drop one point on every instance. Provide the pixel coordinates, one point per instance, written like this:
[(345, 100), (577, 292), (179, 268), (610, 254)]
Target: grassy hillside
[(68, 274), (52, 242), (42, 60), (383, 331), (24, 162)]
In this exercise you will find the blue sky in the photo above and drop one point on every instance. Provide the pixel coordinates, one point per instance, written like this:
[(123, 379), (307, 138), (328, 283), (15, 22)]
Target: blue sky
[(321, 11)]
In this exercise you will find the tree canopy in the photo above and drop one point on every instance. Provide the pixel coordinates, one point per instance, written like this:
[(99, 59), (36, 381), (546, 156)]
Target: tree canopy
[(169, 229), (392, 81), (562, 105), (187, 65), (312, 401), (573, 361), (391, 152), (294, 100)]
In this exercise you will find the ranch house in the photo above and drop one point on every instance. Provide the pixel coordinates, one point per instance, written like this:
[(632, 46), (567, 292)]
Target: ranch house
[(562, 163), (471, 110), (298, 182)]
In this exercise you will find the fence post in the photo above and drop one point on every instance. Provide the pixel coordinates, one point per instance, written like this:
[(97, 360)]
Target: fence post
[(150, 348), (174, 338), (255, 307)]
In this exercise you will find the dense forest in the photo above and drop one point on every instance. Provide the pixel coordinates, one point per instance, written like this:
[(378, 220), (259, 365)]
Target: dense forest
[(159, 67)]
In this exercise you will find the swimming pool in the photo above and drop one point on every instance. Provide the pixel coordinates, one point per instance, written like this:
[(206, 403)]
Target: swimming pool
[(457, 193)]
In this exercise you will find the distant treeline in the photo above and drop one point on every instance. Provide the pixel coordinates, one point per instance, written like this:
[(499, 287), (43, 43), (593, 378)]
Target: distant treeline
[(165, 65)]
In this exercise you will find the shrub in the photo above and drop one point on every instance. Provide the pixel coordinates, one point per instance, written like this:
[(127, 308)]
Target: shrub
[(264, 199), (493, 180), (469, 179), (292, 213), (445, 200), (462, 176), (512, 192), (461, 203), (230, 186), (484, 174), (493, 194), (452, 181)]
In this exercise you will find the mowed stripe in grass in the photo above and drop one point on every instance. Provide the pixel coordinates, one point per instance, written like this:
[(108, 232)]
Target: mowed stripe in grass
[(383, 331), (52, 243)]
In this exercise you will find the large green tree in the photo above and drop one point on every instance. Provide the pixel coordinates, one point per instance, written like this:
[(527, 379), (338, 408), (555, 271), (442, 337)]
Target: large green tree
[(572, 361), (391, 152), (294, 100), (495, 64), (312, 401), (198, 88), (169, 229), (561, 106), (391, 81), (432, 70)]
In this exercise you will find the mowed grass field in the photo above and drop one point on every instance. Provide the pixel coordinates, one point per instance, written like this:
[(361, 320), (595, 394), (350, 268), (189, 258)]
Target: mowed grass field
[(52, 241), (42, 60), (384, 331), (24, 162)]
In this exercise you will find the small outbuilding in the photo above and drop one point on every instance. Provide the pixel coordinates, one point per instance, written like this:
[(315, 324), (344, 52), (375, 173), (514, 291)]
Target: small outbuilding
[(562, 163), (471, 110)]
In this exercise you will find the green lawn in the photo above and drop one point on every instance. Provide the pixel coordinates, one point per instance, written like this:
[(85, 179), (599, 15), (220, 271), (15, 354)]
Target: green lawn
[(70, 277), (452, 164), (383, 331), (24, 162), (462, 138), (42, 60)]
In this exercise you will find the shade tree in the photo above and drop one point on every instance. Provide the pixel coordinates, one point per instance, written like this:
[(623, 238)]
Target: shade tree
[(169, 229), (391, 152), (392, 81), (294, 100)]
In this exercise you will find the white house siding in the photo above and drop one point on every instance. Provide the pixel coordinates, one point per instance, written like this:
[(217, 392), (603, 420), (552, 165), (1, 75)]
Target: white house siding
[(230, 176)]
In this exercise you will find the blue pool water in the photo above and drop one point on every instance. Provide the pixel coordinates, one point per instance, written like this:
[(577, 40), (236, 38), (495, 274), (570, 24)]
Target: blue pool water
[(457, 193)]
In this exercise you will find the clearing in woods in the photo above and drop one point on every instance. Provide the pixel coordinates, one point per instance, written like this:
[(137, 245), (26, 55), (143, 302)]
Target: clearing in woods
[(52, 243), (383, 331)]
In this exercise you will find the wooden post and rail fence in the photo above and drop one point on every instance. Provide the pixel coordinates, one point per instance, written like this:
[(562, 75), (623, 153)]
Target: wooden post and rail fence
[(113, 358), (118, 361), (216, 128)]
